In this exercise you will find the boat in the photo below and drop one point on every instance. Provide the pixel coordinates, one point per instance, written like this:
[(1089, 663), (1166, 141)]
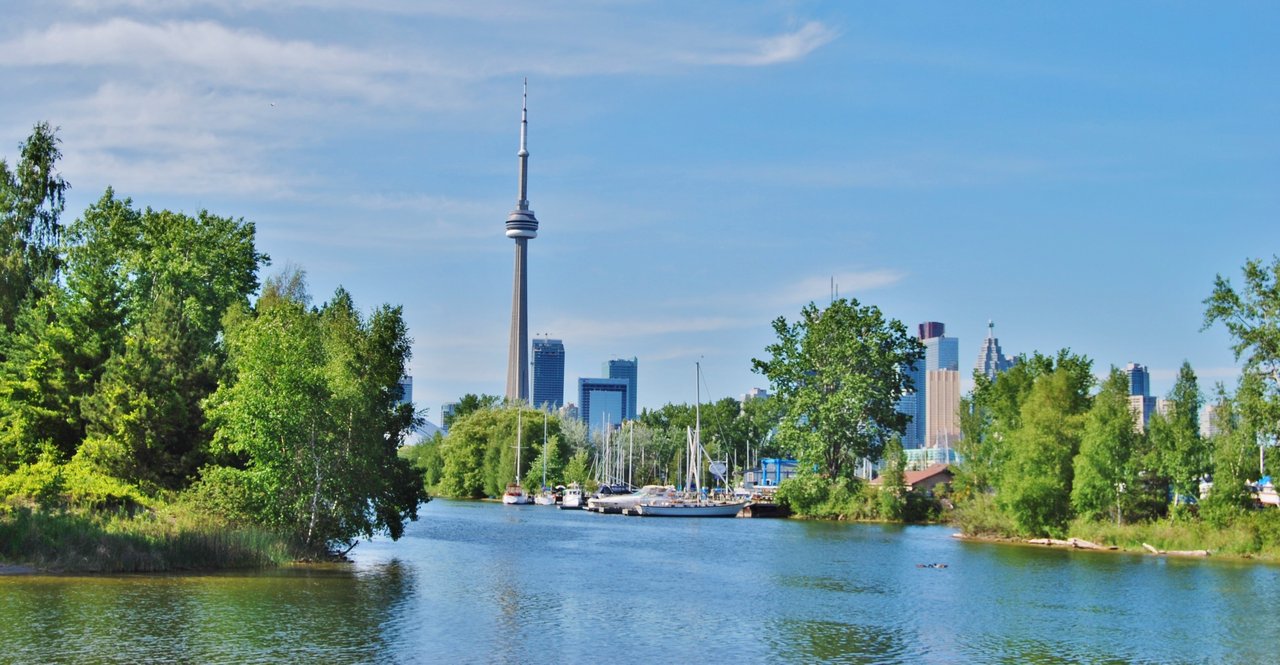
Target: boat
[(515, 495), (546, 497), (691, 503), (572, 499), (618, 503), (697, 507)]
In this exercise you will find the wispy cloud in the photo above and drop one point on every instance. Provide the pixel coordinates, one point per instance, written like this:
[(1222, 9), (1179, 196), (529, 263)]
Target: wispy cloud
[(850, 283), (773, 50)]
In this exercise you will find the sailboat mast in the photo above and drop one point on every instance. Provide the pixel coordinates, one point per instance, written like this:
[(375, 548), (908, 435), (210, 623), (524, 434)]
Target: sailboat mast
[(544, 450), (519, 436)]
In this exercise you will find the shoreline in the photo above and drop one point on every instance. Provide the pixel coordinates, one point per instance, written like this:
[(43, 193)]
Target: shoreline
[(1115, 549)]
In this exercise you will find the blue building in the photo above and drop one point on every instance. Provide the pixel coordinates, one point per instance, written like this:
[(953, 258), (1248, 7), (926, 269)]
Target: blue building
[(991, 360), (940, 352), (1139, 380), (601, 401), (621, 368), (548, 373)]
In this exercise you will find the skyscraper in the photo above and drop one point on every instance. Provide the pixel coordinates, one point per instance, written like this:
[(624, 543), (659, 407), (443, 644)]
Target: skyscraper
[(548, 373), (621, 368), (603, 401), (522, 225), (940, 353), (991, 361), (942, 410), (1139, 379)]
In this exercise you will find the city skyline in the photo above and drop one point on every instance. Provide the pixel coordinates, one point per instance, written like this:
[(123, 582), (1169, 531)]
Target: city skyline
[(707, 168)]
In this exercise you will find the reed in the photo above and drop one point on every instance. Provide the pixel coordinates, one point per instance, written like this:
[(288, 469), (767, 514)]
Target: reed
[(169, 538)]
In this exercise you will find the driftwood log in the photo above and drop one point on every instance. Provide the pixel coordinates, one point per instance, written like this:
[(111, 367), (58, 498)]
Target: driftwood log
[(1153, 550)]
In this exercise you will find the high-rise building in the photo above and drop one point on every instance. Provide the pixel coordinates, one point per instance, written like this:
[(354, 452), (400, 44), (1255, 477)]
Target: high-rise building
[(603, 401), (754, 393), (940, 353), (446, 414), (406, 390), (1142, 406), (548, 373), (991, 361), (942, 408), (1209, 421), (1139, 379), (621, 368), (522, 226), (569, 411)]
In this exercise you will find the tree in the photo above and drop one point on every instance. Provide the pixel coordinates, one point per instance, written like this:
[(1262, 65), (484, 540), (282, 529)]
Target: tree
[(1179, 454), (1234, 451), (893, 488), (1035, 483), (32, 198), (468, 404), (838, 373), (1104, 470), (312, 405), (1252, 317)]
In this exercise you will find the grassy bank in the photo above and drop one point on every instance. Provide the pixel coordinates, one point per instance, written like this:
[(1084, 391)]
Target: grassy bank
[(1247, 534), (167, 538)]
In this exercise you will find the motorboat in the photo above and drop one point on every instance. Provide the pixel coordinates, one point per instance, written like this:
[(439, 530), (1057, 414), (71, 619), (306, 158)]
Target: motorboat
[(572, 498), (617, 503)]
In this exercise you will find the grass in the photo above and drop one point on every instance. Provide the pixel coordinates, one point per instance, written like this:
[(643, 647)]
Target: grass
[(163, 539)]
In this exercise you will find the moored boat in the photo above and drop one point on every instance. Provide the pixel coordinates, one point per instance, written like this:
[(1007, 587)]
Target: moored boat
[(690, 508), (572, 499)]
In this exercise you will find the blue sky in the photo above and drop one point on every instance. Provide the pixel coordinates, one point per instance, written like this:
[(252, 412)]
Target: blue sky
[(1077, 172)]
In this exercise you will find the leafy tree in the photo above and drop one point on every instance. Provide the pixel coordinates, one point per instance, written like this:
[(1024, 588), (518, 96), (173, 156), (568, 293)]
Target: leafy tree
[(1235, 449), (1252, 317), (312, 404), (1105, 472), (32, 198), (1178, 453), (37, 386), (578, 469), (893, 488), (838, 373), (1035, 485), (993, 412), (468, 404)]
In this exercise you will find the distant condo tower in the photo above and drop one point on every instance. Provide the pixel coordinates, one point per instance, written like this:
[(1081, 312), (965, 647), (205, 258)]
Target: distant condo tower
[(521, 225)]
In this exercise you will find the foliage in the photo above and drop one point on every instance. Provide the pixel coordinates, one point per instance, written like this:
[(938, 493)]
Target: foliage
[(1252, 317), (425, 456), (578, 470), (893, 488), (1035, 484), (838, 373), (32, 198), (1178, 452), (1105, 470), (312, 406), (468, 404)]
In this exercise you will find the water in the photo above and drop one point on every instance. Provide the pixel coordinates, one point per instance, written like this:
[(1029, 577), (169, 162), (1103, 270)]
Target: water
[(486, 583)]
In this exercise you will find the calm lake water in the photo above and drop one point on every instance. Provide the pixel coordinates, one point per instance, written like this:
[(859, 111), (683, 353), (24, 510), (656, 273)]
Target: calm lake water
[(486, 583)]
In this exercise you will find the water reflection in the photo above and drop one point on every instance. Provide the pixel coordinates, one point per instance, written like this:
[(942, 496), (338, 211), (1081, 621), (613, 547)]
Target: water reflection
[(486, 583)]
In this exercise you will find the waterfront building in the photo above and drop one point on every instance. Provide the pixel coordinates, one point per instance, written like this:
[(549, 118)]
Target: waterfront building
[(603, 401), (770, 472), (942, 408), (548, 373), (522, 226), (622, 368), (991, 360), (940, 353)]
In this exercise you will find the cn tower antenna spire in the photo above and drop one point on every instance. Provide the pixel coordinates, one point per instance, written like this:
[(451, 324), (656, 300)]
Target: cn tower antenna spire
[(522, 226)]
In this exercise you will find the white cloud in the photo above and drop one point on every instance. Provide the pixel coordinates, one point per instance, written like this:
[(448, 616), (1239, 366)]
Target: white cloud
[(849, 284), (777, 49)]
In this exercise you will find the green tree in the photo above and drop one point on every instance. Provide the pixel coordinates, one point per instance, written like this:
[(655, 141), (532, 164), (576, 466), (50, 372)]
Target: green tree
[(893, 488), (38, 408), (838, 373), (1104, 470), (468, 404), (1178, 453), (1035, 483), (32, 198), (1235, 452), (1252, 317), (312, 405)]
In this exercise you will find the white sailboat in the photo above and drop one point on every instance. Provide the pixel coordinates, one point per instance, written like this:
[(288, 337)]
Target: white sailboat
[(692, 503), (515, 494), (546, 497)]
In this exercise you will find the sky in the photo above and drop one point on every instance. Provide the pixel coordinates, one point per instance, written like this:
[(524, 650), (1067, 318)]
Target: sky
[(1077, 173)]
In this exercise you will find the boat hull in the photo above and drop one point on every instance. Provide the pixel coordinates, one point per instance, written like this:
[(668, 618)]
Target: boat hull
[(690, 509)]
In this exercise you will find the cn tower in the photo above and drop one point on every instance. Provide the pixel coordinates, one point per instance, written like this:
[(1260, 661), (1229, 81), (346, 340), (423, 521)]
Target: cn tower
[(522, 225)]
